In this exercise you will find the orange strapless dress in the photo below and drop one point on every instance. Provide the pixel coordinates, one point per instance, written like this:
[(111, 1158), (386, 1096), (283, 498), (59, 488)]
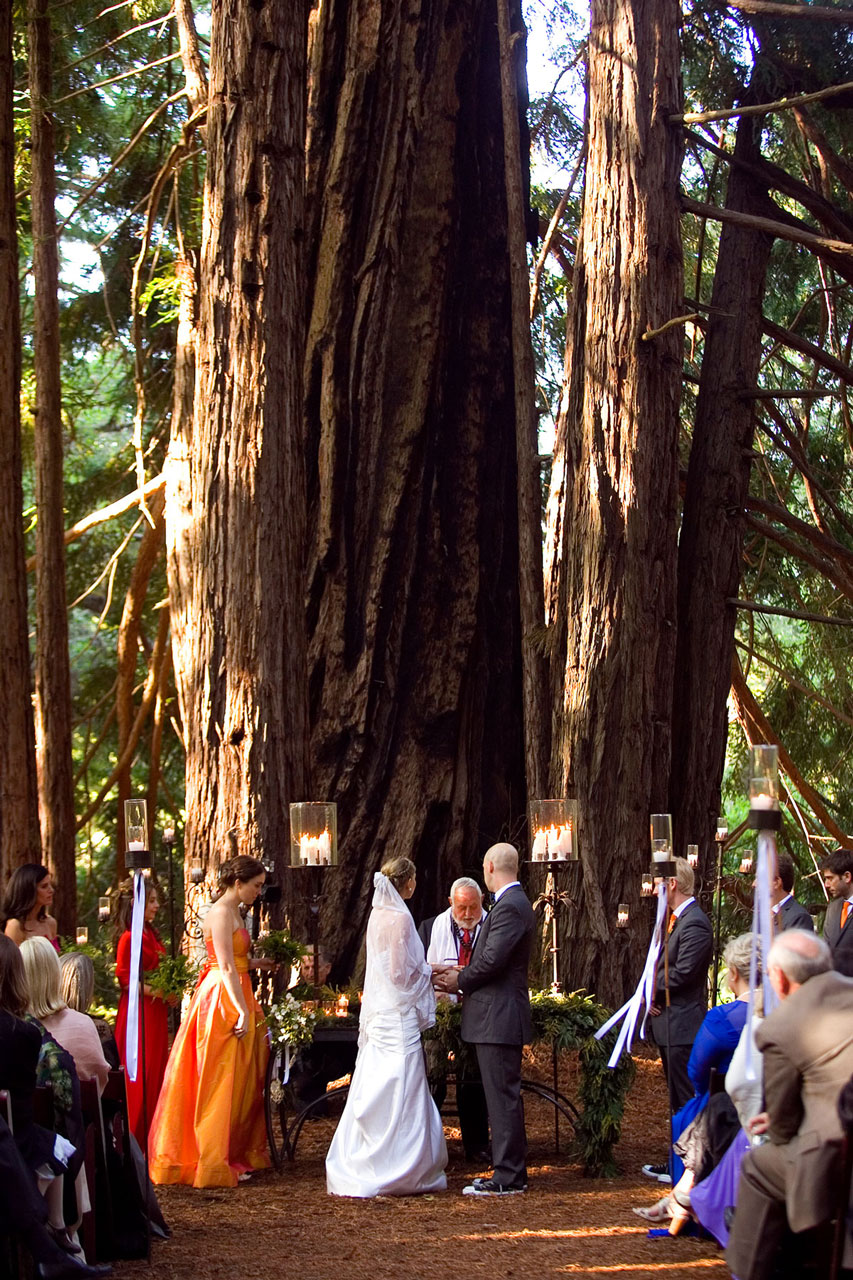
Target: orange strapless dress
[(209, 1124)]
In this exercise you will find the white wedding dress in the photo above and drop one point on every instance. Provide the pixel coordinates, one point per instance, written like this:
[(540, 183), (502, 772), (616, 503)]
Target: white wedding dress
[(390, 1141)]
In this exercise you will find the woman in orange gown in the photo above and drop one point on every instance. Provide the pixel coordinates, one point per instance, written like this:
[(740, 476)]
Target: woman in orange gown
[(209, 1128), (155, 1052)]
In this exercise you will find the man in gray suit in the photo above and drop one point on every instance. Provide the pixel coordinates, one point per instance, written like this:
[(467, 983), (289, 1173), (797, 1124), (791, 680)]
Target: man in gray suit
[(807, 1045), (496, 1016), (837, 871), (787, 912)]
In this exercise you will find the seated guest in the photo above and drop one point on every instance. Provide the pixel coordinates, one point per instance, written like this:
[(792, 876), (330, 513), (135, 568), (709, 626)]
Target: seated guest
[(26, 905), (302, 980), (807, 1047), (715, 1043), (74, 1031), (23, 1213), (449, 939), (837, 871), (787, 912), (77, 977), (47, 1156)]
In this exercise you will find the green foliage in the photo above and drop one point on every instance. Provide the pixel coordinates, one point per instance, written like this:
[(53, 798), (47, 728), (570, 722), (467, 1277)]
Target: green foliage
[(279, 946), (173, 977), (568, 1022)]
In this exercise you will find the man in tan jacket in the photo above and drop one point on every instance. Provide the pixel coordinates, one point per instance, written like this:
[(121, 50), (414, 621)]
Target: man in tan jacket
[(807, 1047)]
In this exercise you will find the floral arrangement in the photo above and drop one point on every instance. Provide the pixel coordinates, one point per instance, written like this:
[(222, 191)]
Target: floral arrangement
[(173, 977), (290, 1023), (280, 947)]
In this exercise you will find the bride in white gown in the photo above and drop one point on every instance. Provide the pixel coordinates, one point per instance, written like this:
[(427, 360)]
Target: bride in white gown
[(390, 1141)]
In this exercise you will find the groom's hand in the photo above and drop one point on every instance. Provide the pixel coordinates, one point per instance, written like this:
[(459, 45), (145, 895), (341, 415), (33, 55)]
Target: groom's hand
[(447, 981)]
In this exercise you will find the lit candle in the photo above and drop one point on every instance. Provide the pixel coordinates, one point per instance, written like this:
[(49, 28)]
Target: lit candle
[(343, 1006), (693, 855), (563, 843), (540, 846), (622, 916), (82, 935), (648, 885), (196, 871), (746, 864), (103, 909), (325, 848), (169, 835), (135, 846), (661, 851)]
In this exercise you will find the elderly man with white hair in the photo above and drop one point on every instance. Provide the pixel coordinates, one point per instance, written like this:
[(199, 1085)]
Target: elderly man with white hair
[(449, 939), (807, 1048)]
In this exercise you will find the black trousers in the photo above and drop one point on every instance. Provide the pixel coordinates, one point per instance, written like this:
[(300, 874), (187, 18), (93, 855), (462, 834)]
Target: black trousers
[(675, 1062), (500, 1071)]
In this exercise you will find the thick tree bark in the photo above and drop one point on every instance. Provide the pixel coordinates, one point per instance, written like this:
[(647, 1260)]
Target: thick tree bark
[(612, 598), (127, 655), (413, 607), (53, 679), (237, 537), (19, 832), (712, 528)]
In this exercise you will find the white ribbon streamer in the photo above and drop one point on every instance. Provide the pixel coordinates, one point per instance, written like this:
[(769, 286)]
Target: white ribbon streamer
[(630, 1011), (136, 923), (762, 931)]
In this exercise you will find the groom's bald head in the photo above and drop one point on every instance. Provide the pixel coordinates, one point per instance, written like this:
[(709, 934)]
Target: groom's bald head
[(500, 865)]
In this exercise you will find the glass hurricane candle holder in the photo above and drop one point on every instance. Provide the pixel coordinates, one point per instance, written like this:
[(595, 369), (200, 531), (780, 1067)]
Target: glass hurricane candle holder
[(136, 834), (343, 1006), (314, 834), (622, 916), (196, 871), (764, 777), (169, 835), (647, 884), (722, 828), (660, 834), (693, 855), (103, 910), (746, 864), (554, 831), (82, 935)]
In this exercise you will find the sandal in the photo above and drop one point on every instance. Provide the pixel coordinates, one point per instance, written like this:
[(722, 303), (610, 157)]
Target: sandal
[(660, 1212)]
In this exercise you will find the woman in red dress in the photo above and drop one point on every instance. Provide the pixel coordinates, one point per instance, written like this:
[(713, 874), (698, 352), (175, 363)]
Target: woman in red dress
[(155, 1051)]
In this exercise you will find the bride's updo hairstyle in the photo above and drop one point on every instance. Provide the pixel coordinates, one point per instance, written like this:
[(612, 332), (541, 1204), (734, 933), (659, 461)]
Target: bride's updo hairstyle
[(399, 871), (241, 868)]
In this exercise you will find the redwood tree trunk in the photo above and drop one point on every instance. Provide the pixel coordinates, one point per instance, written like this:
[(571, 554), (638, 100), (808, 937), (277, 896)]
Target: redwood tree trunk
[(413, 609), (237, 536), (19, 833), (712, 529), (613, 598), (53, 679)]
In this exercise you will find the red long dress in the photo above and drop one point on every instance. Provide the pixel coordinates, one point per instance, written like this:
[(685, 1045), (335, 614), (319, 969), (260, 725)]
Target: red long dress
[(156, 1032)]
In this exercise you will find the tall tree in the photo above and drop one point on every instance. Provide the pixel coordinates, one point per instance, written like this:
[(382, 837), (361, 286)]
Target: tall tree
[(614, 560), (19, 834), (413, 608), (236, 557), (53, 676)]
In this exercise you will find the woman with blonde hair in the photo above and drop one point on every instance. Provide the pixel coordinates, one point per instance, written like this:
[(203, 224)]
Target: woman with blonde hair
[(74, 1031), (390, 1139)]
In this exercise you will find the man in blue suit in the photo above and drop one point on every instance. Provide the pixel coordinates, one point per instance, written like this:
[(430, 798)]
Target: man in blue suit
[(496, 1016)]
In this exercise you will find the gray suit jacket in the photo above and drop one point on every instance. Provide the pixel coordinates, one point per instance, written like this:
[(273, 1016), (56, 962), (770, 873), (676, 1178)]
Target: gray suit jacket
[(807, 1043), (840, 940), (793, 915), (690, 947), (496, 1008)]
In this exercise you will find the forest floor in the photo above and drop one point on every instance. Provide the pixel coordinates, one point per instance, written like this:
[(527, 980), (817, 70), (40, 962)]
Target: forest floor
[(279, 1226)]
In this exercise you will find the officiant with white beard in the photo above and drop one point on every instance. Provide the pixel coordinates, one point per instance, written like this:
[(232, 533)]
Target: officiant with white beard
[(450, 939)]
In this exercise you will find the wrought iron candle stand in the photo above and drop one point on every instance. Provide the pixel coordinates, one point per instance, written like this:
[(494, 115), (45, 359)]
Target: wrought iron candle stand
[(721, 839), (314, 848)]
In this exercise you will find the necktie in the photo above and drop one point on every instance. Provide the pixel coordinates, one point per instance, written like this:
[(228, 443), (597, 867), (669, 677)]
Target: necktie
[(845, 912), (465, 948)]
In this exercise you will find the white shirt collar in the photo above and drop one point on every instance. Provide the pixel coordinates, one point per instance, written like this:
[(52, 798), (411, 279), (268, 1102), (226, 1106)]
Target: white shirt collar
[(677, 911), (779, 905), (500, 892)]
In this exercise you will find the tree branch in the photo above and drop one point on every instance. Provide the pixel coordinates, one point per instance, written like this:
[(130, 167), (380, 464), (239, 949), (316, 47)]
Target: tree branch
[(107, 513), (779, 229), (753, 607), (817, 13), (761, 108)]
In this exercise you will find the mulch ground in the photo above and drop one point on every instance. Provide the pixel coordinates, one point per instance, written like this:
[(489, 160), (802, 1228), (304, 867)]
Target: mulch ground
[(287, 1226)]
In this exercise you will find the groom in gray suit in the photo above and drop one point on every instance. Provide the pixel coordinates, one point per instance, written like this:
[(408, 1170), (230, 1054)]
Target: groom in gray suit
[(496, 1016)]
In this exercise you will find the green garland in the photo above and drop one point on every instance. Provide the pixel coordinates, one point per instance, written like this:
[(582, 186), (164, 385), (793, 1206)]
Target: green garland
[(569, 1022)]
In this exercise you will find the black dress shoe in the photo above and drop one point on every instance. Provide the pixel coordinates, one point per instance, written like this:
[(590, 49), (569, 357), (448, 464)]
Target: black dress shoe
[(482, 1158)]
